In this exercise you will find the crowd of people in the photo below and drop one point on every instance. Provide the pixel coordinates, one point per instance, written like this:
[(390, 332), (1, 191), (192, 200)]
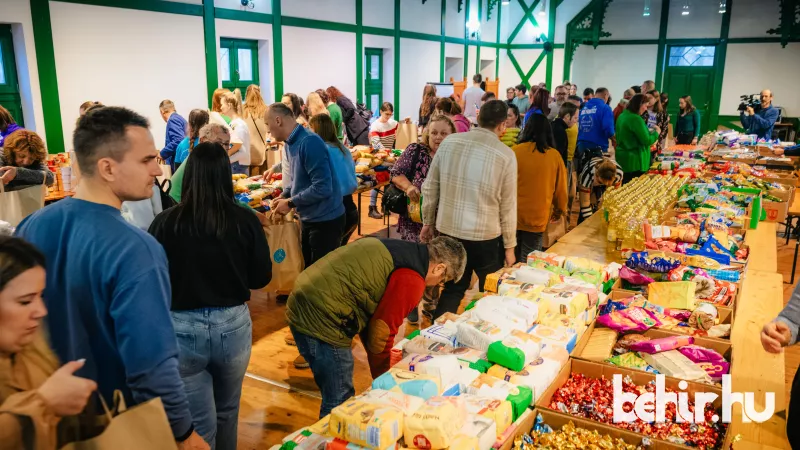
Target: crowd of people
[(151, 290)]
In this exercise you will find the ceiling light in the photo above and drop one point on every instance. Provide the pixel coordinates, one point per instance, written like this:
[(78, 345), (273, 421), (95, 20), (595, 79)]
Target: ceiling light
[(542, 8), (723, 6), (646, 12), (505, 2), (685, 10)]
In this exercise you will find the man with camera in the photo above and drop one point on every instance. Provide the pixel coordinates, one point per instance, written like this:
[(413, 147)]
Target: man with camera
[(759, 118)]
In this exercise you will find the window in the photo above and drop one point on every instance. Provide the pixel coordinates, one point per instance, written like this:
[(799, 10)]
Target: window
[(9, 88), (374, 83), (2, 68), (238, 63), (691, 56)]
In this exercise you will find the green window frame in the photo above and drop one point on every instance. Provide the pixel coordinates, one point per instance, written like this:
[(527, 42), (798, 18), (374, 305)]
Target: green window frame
[(373, 82), (238, 63), (9, 83)]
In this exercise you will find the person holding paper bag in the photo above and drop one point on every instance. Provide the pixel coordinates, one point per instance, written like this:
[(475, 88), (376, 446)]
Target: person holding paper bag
[(23, 161)]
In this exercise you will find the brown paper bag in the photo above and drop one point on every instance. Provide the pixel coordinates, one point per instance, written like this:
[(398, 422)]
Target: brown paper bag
[(19, 204), (406, 135), (555, 230), (283, 237), (145, 426)]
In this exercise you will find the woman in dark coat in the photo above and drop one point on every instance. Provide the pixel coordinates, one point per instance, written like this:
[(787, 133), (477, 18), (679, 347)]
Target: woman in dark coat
[(357, 128)]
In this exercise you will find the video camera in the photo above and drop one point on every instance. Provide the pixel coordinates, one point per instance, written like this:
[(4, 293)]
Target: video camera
[(752, 101)]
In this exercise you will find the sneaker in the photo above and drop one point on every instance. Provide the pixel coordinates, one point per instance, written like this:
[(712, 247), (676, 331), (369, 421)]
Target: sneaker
[(301, 363), (374, 214), (289, 339)]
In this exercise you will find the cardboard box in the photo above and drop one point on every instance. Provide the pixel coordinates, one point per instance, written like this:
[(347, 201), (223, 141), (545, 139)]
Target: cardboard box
[(598, 370), (776, 211), (557, 421)]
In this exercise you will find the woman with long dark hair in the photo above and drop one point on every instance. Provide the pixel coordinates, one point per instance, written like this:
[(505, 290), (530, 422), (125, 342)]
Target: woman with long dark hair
[(356, 127), (687, 127), (217, 253), (655, 108), (540, 104), (294, 103), (198, 118), (447, 107), (541, 184), (428, 104), (634, 139)]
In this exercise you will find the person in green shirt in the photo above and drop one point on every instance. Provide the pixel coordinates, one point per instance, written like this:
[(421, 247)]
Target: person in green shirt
[(212, 132), (334, 111), (634, 139), (688, 126)]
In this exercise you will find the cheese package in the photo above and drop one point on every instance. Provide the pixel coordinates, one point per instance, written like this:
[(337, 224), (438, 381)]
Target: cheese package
[(488, 386), (512, 306), (537, 376), (674, 364), (478, 433), (499, 411), (549, 258), (406, 403), (436, 424), (368, 424), (420, 345), (479, 334), (445, 334), (515, 351), (570, 303), (409, 383), (563, 336), (444, 367)]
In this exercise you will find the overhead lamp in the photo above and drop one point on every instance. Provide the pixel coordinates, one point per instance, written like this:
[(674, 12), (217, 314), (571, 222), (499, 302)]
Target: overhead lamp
[(646, 12), (505, 2), (723, 6), (686, 8), (542, 13)]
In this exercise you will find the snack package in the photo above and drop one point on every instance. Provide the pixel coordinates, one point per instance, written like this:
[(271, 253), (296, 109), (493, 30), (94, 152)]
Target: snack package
[(485, 385), (704, 316), (562, 336), (716, 369), (537, 376), (699, 354), (565, 302), (632, 360), (445, 334), (574, 263), (549, 258), (409, 383), (515, 351), (630, 319), (479, 334), (478, 433), (368, 424), (443, 367), (499, 411), (673, 294), (662, 344), (600, 344), (674, 364), (435, 424), (624, 343)]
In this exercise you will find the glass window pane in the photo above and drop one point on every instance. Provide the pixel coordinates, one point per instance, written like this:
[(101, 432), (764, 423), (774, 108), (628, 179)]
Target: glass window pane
[(374, 104), (2, 69), (699, 56), (225, 64), (374, 67), (245, 60)]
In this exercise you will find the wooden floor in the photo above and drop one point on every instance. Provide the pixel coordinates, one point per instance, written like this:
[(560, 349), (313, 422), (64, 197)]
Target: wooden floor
[(277, 399)]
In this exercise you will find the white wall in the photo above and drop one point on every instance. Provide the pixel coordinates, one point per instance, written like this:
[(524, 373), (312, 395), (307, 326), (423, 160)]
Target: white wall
[(387, 44), (752, 18), (704, 20), (624, 20), (91, 66), (421, 60), (18, 14), (454, 62), (421, 18), (773, 63), (454, 20), (567, 10), (558, 67), (261, 6), (331, 10), (308, 66), (261, 32), (615, 67), (528, 34), (378, 13)]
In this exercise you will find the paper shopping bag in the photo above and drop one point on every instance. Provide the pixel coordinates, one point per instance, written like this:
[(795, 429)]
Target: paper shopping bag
[(145, 426), (555, 230), (406, 135), (283, 237), (19, 204)]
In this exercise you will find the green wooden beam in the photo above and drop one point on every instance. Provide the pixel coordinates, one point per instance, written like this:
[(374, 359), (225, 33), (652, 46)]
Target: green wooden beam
[(146, 5), (442, 42), (525, 77), (378, 31), (662, 43), (551, 34), (318, 24), (466, 42), (277, 48), (210, 43), (420, 36), (719, 64), (478, 47), (527, 13), (396, 59), (529, 46), (48, 82), (630, 41), (497, 49), (242, 16), (359, 52)]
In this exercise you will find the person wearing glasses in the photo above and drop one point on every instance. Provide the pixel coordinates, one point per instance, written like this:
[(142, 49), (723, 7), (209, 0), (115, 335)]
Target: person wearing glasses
[(213, 132), (367, 297), (561, 94)]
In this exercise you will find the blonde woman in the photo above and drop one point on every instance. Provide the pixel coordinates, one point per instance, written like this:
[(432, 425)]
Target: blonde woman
[(254, 109), (316, 105), (238, 152), (215, 113)]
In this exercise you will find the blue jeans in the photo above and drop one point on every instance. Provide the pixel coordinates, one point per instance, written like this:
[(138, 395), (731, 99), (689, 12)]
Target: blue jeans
[(332, 368), (238, 168), (213, 352)]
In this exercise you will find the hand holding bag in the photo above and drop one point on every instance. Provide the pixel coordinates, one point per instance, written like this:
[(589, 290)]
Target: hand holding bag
[(395, 199), (283, 238), (555, 231)]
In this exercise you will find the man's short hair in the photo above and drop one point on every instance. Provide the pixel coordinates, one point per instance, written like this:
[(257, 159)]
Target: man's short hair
[(567, 109), (629, 92), (601, 91), (477, 78), (166, 105), (211, 131), (575, 98), (100, 133), (280, 109), (451, 253), (588, 91), (521, 88), (492, 114), (636, 89), (560, 86)]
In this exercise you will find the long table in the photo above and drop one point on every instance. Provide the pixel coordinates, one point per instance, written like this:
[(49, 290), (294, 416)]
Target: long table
[(760, 301)]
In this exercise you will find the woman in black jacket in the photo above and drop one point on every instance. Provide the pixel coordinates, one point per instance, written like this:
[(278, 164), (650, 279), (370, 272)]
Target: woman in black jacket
[(357, 128)]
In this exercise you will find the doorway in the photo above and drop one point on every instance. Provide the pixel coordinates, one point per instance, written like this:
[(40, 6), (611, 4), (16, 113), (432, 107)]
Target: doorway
[(373, 85), (453, 69), (238, 63), (9, 86), (690, 71)]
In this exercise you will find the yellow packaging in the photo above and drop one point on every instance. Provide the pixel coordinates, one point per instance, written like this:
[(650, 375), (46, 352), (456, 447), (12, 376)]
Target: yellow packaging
[(436, 424), (321, 427), (570, 303), (494, 280), (366, 424), (497, 410), (555, 320), (478, 433), (672, 294)]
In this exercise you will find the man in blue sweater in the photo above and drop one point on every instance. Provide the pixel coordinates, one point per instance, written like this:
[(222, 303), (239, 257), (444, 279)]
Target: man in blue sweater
[(108, 288), (761, 123), (176, 131), (595, 126)]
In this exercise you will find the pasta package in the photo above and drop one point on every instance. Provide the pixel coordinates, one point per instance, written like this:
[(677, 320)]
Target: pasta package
[(409, 383), (499, 411), (570, 303), (515, 351), (444, 367), (367, 424), (561, 336), (485, 385), (436, 424)]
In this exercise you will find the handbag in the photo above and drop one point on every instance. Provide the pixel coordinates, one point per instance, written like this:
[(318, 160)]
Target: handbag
[(19, 204), (554, 231), (258, 149), (283, 239), (394, 199)]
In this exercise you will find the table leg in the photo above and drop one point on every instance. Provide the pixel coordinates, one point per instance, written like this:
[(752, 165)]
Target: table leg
[(359, 213), (794, 261)]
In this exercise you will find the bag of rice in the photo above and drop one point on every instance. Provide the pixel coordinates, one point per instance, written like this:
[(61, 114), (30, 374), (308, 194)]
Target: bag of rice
[(488, 386), (499, 411), (535, 275), (499, 316), (478, 433), (479, 334), (538, 375), (515, 351), (409, 383), (368, 424), (443, 367), (435, 424)]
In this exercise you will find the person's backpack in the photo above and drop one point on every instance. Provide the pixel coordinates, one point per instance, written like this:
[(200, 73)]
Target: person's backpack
[(586, 157), (361, 110), (163, 190)]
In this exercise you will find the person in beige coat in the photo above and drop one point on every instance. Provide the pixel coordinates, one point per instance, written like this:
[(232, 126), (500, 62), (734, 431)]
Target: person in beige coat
[(34, 392), (261, 157)]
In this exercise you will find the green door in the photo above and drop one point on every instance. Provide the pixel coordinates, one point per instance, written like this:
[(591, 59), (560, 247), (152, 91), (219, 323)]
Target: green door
[(373, 84), (690, 71), (9, 88), (239, 63)]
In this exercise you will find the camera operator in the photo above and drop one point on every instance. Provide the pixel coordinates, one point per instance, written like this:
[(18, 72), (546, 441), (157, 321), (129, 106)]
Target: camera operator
[(761, 122)]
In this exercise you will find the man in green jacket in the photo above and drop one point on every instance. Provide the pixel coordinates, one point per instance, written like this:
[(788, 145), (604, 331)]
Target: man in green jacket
[(365, 288), (634, 139)]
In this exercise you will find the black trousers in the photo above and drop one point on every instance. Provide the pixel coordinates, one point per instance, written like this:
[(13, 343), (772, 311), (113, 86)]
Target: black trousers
[(793, 417), (527, 242), (684, 138), (350, 218), (628, 176), (321, 238), (483, 258)]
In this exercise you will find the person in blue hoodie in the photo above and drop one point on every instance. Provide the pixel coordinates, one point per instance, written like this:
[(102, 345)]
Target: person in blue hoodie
[(595, 126), (763, 121)]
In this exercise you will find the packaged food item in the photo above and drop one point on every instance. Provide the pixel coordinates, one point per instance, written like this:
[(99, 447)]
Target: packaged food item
[(499, 316), (719, 331), (600, 344), (662, 344), (444, 367), (499, 411), (445, 334), (305, 440), (527, 310), (562, 336), (409, 383), (535, 275), (406, 403), (435, 424), (673, 294), (630, 319), (699, 354), (573, 263), (555, 353), (537, 376), (632, 360), (368, 424), (479, 334), (340, 444), (496, 279), (549, 258), (674, 364), (565, 302), (485, 385), (591, 291), (425, 346), (560, 320), (478, 433), (624, 343), (322, 426), (515, 351), (716, 369), (704, 316)]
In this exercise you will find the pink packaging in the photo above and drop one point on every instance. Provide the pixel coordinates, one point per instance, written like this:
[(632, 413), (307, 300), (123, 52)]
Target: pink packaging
[(701, 354), (662, 344), (642, 316), (630, 319), (634, 277), (716, 369)]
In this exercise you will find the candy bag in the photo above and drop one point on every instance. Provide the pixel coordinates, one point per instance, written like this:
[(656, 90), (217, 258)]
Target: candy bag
[(624, 343), (662, 344), (699, 354), (634, 277), (642, 316)]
